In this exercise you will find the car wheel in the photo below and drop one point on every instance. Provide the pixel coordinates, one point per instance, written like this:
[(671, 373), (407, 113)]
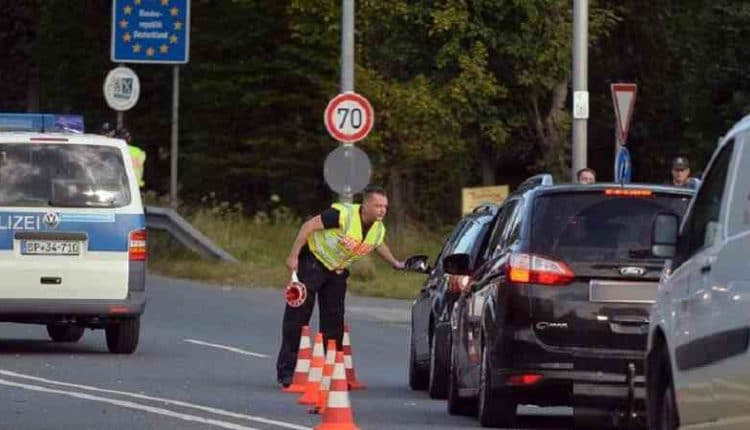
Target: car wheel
[(662, 408), (122, 336), (495, 410), (438, 384), (65, 332), (417, 376), (457, 405), (668, 415)]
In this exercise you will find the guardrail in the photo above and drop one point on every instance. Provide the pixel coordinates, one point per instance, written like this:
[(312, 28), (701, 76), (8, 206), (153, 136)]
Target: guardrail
[(169, 220)]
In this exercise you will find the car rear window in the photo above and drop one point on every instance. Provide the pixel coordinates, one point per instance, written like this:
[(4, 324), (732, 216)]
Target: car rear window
[(596, 227), (64, 175)]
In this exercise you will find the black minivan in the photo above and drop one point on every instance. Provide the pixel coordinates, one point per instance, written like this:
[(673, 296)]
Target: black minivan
[(558, 313)]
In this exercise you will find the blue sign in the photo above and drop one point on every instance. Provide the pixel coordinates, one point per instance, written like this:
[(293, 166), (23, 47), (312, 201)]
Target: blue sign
[(623, 167), (150, 31)]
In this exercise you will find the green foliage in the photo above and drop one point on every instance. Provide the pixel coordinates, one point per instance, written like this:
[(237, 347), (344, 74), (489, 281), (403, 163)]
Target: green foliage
[(465, 91)]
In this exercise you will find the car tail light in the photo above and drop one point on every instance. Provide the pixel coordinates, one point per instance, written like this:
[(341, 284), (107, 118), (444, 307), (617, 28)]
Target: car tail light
[(524, 379), (534, 269), (137, 245), (458, 283)]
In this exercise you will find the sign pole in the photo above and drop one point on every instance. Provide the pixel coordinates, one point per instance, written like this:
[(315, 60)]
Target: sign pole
[(347, 66), (580, 84), (175, 122)]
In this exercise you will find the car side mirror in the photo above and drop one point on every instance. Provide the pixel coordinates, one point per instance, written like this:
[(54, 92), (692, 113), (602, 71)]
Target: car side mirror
[(417, 263), (664, 235), (457, 264)]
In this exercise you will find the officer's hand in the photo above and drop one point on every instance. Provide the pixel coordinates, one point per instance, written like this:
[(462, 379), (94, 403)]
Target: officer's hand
[(399, 265), (291, 262)]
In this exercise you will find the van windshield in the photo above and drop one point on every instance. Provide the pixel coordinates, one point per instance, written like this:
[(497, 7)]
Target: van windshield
[(64, 175), (594, 227)]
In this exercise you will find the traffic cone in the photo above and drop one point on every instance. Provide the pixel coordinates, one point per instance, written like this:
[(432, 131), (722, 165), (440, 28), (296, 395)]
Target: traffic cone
[(312, 391), (338, 414), (325, 383), (299, 382), (351, 375)]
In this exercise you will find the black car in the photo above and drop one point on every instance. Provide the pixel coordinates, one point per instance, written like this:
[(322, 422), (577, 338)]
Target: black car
[(430, 313), (558, 312)]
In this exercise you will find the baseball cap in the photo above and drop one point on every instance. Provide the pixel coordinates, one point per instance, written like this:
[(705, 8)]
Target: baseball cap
[(680, 163)]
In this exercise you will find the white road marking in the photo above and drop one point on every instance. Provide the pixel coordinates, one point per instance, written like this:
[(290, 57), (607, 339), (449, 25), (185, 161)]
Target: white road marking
[(228, 348), (209, 409), (130, 405)]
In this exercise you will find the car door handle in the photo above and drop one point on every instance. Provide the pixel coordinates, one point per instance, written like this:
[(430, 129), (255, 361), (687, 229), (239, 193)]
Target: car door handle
[(706, 268)]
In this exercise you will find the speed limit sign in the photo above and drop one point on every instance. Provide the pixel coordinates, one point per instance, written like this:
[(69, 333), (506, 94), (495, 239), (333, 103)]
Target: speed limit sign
[(349, 117)]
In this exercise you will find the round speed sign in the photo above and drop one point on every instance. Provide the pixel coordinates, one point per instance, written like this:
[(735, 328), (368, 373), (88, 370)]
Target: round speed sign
[(349, 117)]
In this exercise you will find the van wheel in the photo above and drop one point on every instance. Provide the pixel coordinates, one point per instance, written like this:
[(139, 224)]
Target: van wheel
[(438, 384), (494, 410), (662, 407), (458, 405), (65, 332), (122, 336), (417, 375)]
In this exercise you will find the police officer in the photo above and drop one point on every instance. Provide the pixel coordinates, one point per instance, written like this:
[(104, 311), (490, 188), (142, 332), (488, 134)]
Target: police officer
[(136, 154), (681, 174), (325, 246)]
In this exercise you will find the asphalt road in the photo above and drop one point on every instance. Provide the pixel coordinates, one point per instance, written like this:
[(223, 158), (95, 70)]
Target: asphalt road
[(206, 359)]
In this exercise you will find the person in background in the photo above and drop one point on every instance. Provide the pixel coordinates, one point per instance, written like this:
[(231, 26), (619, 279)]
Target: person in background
[(136, 154), (586, 175), (681, 174)]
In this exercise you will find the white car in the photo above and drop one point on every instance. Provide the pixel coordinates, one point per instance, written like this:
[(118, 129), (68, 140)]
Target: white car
[(72, 232), (697, 365)]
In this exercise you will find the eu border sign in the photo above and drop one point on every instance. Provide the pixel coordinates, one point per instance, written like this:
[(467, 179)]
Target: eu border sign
[(150, 31)]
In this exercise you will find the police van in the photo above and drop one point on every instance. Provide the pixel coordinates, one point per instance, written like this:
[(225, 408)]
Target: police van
[(72, 231)]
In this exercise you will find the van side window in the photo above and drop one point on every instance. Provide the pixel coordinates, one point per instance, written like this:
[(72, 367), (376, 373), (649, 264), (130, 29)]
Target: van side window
[(513, 229), (739, 201), (703, 225), (498, 234)]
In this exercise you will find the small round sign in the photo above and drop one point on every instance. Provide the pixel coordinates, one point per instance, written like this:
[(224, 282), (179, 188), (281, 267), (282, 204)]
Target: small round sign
[(121, 88), (349, 117), (347, 169)]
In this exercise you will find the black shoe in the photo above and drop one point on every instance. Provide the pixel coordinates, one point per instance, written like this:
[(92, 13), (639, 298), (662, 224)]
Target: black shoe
[(284, 383)]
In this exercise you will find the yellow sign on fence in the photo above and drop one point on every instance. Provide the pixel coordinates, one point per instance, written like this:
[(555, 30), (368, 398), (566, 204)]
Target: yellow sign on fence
[(473, 197)]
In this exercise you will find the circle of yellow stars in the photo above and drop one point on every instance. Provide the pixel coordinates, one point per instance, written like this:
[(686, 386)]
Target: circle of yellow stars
[(137, 47)]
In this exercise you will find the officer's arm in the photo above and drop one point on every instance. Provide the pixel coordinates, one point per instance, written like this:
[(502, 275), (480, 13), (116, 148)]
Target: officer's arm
[(385, 254), (313, 224)]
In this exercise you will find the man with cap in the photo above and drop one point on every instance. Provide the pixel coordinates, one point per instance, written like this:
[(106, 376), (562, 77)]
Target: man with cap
[(681, 174)]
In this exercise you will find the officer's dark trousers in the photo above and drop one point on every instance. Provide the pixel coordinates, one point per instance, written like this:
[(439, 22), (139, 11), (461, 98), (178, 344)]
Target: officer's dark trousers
[(330, 288)]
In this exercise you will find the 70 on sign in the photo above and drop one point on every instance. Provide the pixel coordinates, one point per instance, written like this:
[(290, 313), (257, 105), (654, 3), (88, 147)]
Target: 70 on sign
[(349, 117)]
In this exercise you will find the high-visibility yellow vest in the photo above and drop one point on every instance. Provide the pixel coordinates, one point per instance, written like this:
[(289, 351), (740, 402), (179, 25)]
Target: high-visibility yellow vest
[(337, 248), (139, 159)]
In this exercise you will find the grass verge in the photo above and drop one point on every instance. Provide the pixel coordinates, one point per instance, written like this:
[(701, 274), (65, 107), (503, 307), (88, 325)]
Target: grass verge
[(262, 247)]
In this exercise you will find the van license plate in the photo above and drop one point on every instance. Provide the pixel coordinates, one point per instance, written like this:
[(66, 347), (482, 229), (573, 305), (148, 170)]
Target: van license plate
[(50, 247)]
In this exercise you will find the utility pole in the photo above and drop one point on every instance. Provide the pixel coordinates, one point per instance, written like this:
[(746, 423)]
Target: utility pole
[(347, 63), (580, 84)]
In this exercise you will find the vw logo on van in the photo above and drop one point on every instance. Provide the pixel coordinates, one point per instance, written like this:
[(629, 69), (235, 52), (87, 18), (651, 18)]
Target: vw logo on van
[(51, 219), (635, 272)]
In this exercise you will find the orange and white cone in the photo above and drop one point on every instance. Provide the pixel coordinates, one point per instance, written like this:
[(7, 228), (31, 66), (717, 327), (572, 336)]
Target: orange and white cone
[(299, 382), (351, 375), (338, 414), (325, 383), (312, 390)]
